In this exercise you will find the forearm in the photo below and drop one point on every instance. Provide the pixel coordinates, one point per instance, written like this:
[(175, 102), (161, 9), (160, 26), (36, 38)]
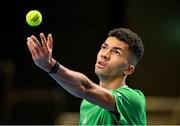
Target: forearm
[(80, 86), (74, 82)]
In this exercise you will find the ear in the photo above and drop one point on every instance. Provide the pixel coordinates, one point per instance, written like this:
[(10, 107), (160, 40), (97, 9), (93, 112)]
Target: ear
[(129, 70)]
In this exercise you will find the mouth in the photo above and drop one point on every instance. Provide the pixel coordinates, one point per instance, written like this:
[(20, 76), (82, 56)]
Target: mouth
[(101, 64)]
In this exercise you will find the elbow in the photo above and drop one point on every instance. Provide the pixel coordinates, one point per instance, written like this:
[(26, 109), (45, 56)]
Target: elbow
[(83, 87), (79, 92)]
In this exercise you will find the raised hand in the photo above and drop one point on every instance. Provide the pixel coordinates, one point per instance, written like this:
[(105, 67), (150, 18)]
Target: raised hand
[(41, 51)]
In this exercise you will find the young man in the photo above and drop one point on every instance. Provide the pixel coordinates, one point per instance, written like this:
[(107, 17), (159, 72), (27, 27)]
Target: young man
[(111, 102)]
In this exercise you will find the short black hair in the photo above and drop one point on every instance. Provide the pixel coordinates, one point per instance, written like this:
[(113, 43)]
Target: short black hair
[(132, 39)]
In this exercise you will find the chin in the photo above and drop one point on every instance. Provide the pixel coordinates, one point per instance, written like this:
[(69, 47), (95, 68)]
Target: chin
[(99, 72), (96, 71)]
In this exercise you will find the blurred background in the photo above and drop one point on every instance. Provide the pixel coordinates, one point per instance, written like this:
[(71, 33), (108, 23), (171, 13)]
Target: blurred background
[(29, 96)]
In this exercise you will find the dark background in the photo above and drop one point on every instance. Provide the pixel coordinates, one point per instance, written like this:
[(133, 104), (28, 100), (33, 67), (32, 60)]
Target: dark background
[(30, 96)]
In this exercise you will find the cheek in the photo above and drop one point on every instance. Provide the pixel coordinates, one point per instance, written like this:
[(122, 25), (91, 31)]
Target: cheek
[(119, 63), (98, 55)]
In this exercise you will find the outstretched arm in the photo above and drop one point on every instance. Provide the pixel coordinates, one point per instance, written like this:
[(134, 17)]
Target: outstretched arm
[(74, 82)]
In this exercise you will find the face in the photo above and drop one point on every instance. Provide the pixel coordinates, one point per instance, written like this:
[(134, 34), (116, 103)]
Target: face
[(112, 59)]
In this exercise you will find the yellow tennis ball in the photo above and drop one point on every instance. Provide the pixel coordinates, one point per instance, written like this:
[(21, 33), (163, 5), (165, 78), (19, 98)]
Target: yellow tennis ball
[(34, 18)]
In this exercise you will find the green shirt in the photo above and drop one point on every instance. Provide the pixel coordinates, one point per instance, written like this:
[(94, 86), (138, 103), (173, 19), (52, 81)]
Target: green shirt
[(130, 104)]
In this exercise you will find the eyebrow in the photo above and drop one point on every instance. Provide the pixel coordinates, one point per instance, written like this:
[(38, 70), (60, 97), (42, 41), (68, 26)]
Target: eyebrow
[(117, 48)]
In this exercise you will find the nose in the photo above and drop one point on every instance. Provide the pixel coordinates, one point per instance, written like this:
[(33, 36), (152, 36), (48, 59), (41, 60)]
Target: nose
[(106, 55)]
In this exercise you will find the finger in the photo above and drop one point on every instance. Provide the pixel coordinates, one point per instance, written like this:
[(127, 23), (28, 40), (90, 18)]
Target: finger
[(43, 40), (35, 41), (32, 48), (29, 47), (50, 41)]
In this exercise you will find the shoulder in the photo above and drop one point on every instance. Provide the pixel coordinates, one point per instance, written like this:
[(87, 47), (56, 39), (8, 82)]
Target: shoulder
[(131, 105), (129, 95), (127, 91)]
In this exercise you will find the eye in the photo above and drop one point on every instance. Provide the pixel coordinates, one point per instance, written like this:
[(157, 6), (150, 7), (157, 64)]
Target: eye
[(116, 52), (103, 47)]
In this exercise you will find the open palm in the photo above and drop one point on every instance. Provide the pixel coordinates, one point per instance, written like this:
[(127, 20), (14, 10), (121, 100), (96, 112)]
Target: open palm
[(41, 51)]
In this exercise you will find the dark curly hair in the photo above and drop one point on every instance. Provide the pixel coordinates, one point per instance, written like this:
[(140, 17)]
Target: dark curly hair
[(130, 38)]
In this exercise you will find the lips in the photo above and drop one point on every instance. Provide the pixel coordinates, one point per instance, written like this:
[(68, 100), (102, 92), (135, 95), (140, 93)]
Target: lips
[(101, 64)]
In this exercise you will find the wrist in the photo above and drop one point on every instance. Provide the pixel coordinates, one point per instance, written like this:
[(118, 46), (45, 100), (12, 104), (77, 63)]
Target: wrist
[(54, 67)]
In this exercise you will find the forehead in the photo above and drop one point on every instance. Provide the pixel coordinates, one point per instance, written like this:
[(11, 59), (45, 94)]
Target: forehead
[(113, 42)]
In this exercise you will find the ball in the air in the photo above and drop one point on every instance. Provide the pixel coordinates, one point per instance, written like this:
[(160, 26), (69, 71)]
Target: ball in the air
[(34, 18)]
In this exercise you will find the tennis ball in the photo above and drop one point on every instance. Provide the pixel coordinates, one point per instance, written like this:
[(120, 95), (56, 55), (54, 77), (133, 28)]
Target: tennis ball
[(33, 18)]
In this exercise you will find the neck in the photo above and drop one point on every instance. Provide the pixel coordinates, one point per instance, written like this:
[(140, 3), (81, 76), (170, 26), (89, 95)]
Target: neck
[(113, 84)]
